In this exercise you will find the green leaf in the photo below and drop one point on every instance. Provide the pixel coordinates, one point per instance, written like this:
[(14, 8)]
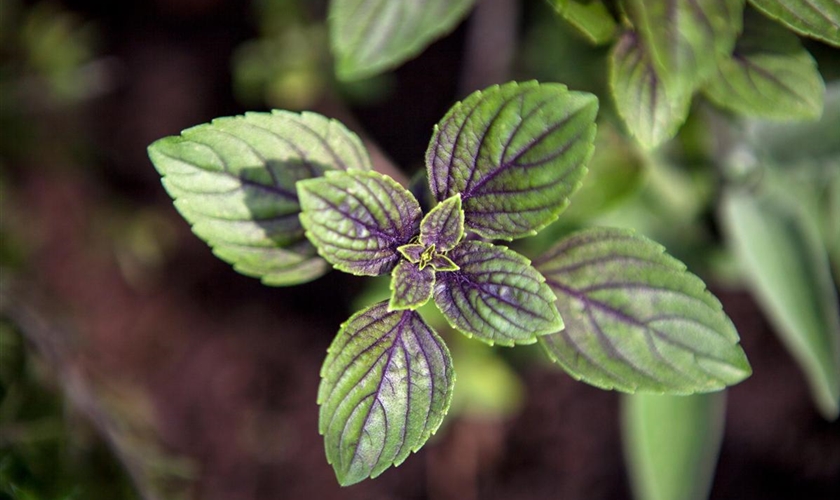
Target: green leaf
[(371, 36), (590, 17), (818, 19), (443, 226), (386, 385), (672, 444), (357, 220), (770, 75), (779, 248), (652, 111), (685, 37), (496, 296), (234, 181), (636, 320), (515, 153), (411, 287)]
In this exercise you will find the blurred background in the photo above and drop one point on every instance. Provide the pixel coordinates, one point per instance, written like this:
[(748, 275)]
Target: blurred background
[(136, 365)]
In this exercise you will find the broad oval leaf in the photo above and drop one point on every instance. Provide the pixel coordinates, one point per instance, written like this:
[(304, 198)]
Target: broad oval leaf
[(780, 250), (358, 219), (234, 181), (385, 387), (443, 226), (814, 18), (496, 296), (590, 17), (636, 320), (685, 37), (371, 36), (652, 111), (672, 444), (770, 75), (411, 287), (515, 153)]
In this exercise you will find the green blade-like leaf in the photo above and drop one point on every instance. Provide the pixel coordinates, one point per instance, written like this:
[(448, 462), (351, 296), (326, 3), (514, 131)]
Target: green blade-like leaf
[(818, 19), (672, 444), (443, 226), (770, 75), (685, 37), (371, 36), (496, 296), (385, 387), (636, 320), (590, 17), (411, 287), (779, 247), (234, 181), (652, 112), (515, 153), (357, 219)]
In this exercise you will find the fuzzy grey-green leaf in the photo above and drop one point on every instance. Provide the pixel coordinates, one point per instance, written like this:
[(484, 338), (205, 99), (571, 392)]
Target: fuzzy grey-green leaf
[(234, 181), (358, 219), (636, 320), (385, 387), (411, 287), (371, 36)]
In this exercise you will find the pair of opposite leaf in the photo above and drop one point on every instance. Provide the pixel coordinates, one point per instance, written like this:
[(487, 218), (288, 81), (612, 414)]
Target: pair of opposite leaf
[(267, 191)]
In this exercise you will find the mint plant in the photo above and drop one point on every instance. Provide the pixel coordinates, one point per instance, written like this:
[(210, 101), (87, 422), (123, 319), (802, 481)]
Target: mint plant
[(286, 196)]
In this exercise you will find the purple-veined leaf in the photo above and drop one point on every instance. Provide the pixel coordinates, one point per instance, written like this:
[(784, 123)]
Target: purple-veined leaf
[(385, 387), (411, 287), (814, 18), (357, 220), (371, 36), (653, 112), (496, 296), (234, 181), (515, 153), (443, 226), (636, 320), (770, 75)]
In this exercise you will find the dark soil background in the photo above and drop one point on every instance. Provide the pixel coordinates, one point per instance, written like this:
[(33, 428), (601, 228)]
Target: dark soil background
[(204, 381)]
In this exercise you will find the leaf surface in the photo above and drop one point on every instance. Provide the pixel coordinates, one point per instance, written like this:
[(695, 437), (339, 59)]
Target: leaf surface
[(652, 111), (590, 17), (495, 296), (371, 36), (443, 226), (814, 18), (411, 287), (672, 443), (780, 250), (234, 181), (358, 219), (515, 153), (770, 75), (385, 387), (636, 320)]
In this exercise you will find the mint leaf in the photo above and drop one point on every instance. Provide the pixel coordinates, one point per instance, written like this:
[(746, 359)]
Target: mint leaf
[(496, 296), (770, 75), (371, 36), (816, 19), (635, 319), (652, 111), (590, 17), (385, 387), (443, 226), (672, 443), (357, 220), (515, 153), (780, 250), (234, 181), (411, 287), (685, 37)]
